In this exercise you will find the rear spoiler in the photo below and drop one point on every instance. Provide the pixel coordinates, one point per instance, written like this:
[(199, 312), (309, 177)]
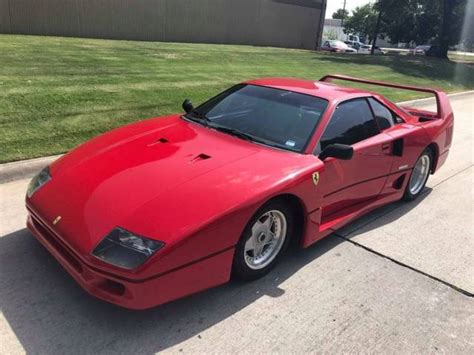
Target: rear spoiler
[(442, 102)]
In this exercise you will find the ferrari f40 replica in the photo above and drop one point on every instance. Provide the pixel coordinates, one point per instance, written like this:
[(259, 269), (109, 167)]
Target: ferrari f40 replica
[(166, 207)]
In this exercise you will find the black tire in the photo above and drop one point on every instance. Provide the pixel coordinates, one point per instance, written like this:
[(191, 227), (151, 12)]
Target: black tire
[(240, 269), (408, 195)]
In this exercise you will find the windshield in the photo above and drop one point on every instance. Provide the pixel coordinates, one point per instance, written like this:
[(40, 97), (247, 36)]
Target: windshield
[(273, 117)]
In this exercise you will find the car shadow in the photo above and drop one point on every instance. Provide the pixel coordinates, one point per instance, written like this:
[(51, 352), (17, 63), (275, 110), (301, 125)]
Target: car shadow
[(384, 215), (49, 313)]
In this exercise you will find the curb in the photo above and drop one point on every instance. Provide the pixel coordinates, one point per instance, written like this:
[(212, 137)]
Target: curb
[(24, 169)]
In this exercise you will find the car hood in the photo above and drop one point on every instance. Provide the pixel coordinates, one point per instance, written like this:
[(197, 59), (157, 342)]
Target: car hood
[(169, 165)]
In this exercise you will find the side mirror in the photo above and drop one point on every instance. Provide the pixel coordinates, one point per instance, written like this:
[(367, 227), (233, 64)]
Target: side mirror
[(187, 106), (338, 151)]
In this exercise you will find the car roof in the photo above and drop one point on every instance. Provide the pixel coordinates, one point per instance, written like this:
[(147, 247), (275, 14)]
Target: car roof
[(315, 88)]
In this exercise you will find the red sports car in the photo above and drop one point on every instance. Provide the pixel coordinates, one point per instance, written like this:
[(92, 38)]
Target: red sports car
[(169, 206)]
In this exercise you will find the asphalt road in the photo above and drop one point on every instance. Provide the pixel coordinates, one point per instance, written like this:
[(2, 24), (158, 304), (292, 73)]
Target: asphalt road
[(399, 280)]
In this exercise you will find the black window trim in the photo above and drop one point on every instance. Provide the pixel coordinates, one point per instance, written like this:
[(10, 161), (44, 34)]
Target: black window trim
[(364, 98), (394, 115)]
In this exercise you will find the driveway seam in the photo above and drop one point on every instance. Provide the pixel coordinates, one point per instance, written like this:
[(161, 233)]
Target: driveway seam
[(451, 176), (346, 238), (454, 287)]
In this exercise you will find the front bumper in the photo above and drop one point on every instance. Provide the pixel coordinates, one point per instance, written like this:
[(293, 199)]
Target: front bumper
[(135, 294)]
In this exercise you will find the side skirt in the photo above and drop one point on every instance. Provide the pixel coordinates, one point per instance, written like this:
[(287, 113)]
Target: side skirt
[(318, 230)]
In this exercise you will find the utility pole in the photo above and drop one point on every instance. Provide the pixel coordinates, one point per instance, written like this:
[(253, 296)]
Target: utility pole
[(343, 14)]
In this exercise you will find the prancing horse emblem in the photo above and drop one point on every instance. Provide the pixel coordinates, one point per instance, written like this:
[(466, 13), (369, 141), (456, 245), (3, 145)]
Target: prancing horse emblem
[(56, 220), (315, 178)]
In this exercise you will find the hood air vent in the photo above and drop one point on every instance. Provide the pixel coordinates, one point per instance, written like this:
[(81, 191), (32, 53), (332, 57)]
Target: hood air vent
[(200, 157), (158, 141)]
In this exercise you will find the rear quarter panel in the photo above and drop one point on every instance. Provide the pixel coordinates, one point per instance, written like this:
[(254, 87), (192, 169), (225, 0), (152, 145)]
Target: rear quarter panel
[(439, 126), (440, 132)]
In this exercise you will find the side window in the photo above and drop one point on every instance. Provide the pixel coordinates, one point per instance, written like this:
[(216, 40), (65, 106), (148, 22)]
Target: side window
[(383, 116), (351, 122)]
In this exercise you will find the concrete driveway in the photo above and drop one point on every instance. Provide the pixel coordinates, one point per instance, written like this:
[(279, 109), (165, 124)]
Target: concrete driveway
[(399, 280)]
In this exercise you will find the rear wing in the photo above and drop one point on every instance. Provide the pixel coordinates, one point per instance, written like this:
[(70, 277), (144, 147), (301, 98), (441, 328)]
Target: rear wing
[(442, 103)]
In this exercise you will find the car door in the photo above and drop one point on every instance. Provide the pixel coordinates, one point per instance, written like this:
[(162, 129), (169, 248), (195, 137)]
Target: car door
[(349, 183)]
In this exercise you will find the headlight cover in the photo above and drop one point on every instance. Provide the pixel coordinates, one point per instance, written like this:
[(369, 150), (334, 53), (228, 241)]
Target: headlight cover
[(125, 249), (38, 180)]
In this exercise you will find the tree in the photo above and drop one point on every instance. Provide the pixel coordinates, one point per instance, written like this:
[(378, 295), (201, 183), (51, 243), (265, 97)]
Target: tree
[(411, 20), (441, 22), (340, 14), (376, 31), (362, 21), (384, 8), (331, 34), (452, 21), (394, 18), (424, 21)]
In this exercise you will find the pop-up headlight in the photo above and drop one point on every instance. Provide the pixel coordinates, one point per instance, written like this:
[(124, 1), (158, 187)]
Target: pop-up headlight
[(125, 249)]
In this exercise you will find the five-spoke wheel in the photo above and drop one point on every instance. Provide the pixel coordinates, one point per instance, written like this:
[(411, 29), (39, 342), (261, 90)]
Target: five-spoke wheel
[(264, 240), (267, 238), (419, 175)]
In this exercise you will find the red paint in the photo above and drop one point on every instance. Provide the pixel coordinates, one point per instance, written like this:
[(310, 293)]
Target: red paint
[(195, 189)]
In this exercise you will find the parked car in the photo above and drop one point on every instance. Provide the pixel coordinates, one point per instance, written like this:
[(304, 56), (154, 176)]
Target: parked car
[(337, 46), (420, 50), (166, 207), (353, 44), (433, 51), (366, 49), (430, 50)]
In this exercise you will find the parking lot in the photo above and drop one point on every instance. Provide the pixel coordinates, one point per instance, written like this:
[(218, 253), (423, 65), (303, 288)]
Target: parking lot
[(400, 280)]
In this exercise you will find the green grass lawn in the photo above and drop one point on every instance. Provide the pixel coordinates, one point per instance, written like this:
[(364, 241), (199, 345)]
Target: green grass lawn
[(58, 92)]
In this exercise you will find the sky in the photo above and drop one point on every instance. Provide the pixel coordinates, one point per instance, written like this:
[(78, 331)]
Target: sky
[(333, 5)]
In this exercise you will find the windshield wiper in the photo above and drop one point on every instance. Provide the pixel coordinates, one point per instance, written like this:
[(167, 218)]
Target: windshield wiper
[(200, 116), (234, 132), (243, 135)]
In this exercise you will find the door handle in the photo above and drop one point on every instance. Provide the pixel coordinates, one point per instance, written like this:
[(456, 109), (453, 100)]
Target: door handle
[(386, 146)]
